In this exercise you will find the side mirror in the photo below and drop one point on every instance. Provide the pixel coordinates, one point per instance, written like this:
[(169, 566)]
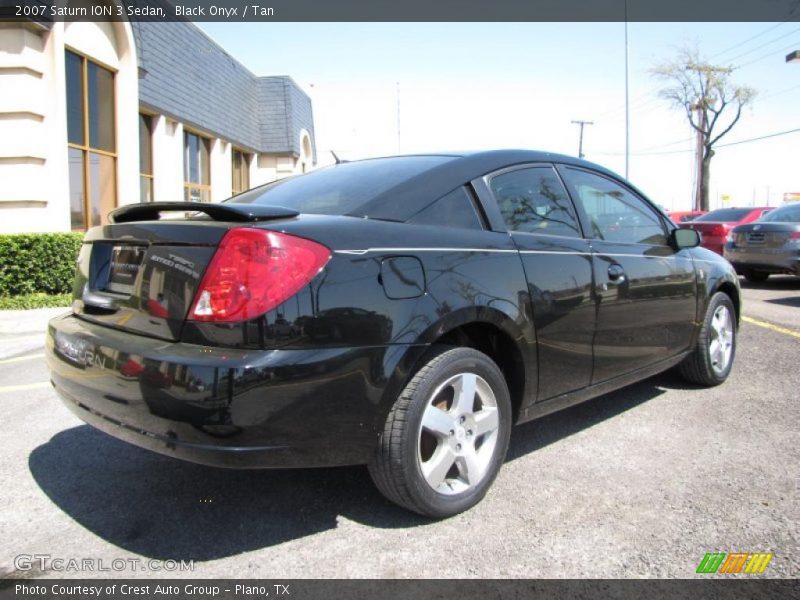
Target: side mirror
[(684, 238)]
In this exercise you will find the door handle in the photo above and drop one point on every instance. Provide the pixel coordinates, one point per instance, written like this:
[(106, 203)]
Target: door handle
[(616, 274)]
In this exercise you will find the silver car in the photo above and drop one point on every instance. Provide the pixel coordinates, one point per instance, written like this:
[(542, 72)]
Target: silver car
[(769, 245)]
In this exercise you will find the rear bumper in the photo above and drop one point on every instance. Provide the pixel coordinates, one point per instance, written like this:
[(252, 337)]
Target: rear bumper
[(713, 243), (223, 407), (779, 261)]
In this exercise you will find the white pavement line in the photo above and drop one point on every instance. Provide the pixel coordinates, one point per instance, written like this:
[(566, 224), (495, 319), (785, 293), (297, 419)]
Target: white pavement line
[(24, 386), (5, 361), (33, 336)]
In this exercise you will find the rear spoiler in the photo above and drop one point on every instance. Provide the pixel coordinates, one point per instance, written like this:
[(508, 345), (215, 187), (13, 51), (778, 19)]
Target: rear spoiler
[(219, 212)]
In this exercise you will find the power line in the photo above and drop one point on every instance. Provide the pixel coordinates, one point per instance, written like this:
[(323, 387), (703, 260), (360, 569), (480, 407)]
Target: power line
[(778, 93), (637, 105), (770, 54), (643, 96), (755, 139), (683, 151), (667, 145), (750, 39), (645, 153), (764, 45)]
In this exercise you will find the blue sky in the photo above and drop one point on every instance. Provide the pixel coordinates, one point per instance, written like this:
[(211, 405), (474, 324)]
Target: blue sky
[(496, 85)]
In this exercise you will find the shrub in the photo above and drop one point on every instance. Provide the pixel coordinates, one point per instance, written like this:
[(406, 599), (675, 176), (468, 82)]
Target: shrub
[(38, 263), (37, 300)]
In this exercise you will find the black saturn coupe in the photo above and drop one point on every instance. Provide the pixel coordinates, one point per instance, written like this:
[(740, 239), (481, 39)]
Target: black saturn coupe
[(399, 312)]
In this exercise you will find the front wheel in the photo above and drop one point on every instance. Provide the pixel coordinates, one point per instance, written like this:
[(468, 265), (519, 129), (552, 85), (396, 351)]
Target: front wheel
[(711, 360), (446, 436)]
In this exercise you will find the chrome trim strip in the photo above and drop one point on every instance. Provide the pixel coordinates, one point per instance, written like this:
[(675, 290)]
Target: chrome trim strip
[(499, 251), (642, 256), (554, 252), (359, 252)]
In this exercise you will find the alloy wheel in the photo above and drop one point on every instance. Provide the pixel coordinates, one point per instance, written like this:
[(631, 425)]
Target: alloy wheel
[(720, 343), (458, 434)]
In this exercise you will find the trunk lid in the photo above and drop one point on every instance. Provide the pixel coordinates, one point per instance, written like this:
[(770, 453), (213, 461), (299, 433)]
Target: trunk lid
[(142, 276), (764, 234)]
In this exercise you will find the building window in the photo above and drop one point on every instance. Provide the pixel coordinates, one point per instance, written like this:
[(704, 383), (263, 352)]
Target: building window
[(196, 171), (91, 138), (145, 158), (241, 171)]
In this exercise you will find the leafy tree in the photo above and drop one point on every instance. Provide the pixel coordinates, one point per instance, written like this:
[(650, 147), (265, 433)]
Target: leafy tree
[(711, 101)]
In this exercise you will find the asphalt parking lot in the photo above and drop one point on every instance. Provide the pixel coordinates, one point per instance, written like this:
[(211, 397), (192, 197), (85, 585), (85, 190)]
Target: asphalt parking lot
[(639, 483)]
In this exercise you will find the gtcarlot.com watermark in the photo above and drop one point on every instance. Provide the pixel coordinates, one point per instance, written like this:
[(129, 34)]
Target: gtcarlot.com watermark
[(48, 562)]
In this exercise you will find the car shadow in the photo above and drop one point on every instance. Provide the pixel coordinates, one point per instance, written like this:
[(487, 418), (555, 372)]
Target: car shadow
[(163, 508), (537, 434), (774, 283), (795, 301)]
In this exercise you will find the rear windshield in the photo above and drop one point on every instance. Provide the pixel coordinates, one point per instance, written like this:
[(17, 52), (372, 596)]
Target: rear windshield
[(784, 214), (725, 214), (340, 189)]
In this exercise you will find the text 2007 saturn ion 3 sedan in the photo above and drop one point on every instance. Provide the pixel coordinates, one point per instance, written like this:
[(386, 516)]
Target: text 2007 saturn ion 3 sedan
[(398, 312)]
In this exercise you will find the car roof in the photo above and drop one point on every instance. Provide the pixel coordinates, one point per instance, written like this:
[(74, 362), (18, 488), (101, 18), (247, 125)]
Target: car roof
[(406, 199)]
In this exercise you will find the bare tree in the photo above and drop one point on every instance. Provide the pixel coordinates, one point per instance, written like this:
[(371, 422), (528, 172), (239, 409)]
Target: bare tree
[(713, 105)]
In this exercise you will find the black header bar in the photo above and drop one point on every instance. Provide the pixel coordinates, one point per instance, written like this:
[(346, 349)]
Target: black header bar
[(48, 11)]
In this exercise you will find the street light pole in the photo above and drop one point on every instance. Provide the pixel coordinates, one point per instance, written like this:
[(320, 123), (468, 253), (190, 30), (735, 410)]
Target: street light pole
[(627, 111), (398, 117)]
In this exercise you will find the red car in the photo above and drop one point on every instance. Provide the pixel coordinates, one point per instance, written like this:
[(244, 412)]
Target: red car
[(681, 216), (715, 226)]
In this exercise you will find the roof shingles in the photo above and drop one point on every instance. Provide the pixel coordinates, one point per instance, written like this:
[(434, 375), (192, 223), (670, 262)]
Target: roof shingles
[(188, 77)]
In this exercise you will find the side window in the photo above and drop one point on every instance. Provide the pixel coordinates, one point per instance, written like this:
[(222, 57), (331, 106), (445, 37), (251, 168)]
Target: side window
[(615, 214), (451, 210), (534, 201)]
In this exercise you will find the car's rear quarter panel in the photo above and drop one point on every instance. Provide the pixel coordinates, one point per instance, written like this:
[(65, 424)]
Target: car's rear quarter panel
[(310, 382)]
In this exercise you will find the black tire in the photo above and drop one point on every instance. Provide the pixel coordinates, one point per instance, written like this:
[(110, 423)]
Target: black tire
[(756, 276), (397, 466), (703, 366)]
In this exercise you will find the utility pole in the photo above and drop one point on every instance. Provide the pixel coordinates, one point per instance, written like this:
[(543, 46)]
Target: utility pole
[(580, 138)]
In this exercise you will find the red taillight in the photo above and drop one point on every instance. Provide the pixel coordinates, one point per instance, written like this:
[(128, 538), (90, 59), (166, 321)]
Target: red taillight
[(719, 230), (131, 368), (254, 271), (795, 235)]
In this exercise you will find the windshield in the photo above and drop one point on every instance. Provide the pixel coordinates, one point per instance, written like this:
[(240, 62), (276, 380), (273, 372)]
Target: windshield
[(340, 189), (784, 214), (725, 214)]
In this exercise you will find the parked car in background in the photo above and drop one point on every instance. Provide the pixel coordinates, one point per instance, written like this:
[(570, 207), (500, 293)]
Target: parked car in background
[(401, 313), (681, 216), (770, 245), (715, 226)]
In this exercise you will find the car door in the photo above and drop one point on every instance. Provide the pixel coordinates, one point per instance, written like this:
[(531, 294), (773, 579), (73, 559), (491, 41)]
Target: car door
[(537, 212), (645, 290)]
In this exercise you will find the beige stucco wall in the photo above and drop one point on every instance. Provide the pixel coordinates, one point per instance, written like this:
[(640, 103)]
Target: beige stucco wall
[(34, 195), (33, 128)]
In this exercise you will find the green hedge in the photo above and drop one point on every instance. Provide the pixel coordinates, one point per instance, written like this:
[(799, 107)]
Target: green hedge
[(38, 300), (33, 263)]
